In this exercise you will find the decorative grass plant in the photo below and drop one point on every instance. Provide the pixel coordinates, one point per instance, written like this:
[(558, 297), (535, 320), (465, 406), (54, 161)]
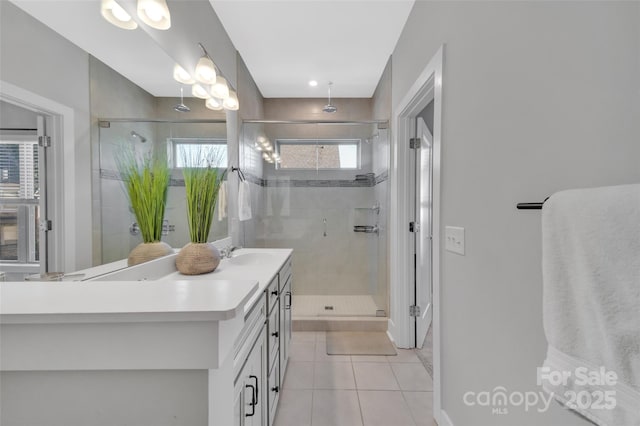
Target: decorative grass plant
[(202, 186), (202, 180), (146, 181)]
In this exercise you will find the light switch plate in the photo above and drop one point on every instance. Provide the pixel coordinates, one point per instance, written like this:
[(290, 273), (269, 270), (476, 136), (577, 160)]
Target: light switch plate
[(454, 236)]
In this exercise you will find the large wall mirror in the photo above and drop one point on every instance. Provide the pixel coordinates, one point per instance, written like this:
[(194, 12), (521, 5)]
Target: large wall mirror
[(173, 141)]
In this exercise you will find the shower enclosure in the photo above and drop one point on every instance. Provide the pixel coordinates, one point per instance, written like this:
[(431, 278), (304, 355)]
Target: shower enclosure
[(170, 140), (325, 196)]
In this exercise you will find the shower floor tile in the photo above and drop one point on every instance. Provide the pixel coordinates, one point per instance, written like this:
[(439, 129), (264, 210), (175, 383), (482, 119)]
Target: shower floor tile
[(316, 306)]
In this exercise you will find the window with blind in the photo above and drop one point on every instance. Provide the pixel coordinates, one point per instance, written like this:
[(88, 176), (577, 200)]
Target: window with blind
[(19, 199)]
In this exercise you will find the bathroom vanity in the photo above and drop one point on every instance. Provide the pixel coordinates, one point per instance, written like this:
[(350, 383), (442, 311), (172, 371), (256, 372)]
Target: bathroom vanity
[(148, 346)]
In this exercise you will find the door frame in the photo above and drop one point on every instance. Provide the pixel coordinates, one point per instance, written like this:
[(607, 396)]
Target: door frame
[(428, 85), (61, 207), (426, 311)]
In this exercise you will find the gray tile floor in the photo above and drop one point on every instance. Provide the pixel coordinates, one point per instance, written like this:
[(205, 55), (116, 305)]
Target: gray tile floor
[(328, 390)]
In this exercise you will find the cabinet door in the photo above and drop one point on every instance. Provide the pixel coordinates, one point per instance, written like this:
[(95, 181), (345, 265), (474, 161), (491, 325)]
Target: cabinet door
[(285, 326), (255, 404), (238, 404)]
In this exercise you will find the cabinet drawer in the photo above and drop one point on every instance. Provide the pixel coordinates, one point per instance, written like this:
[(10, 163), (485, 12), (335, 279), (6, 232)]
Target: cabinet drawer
[(273, 293), (285, 273), (273, 329), (274, 391)]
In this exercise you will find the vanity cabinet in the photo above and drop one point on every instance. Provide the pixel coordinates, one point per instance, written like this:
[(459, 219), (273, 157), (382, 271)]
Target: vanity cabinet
[(206, 350), (261, 369)]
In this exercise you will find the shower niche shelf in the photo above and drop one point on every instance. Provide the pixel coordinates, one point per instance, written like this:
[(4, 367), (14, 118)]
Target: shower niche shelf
[(375, 208), (366, 229)]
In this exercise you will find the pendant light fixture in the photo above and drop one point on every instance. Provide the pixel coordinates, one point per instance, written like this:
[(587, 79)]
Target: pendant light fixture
[(220, 88), (205, 68), (231, 103), (116, 15), (154, 13), (329, 107), (181, 76), (209, 84), (181, 107)]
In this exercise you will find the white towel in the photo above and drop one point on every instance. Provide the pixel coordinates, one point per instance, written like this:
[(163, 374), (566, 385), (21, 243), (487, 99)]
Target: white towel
[(222, 201), (244, 201), (591, 301)]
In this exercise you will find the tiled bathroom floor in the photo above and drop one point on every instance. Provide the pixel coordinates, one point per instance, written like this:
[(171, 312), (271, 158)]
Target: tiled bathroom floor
[(339, 390)]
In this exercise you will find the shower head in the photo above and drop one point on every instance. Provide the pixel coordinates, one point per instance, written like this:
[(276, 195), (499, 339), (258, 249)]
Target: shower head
[(138, 136), (330, 108), (181, 107)]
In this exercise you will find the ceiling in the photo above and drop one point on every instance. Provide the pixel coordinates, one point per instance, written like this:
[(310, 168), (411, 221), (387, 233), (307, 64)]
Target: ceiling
[(284, 43), (287, 43), (132, 53)]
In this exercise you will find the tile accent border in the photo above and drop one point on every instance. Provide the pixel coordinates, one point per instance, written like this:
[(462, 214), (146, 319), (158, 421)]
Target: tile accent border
[(318, 183), (113, 175), (290, 183)]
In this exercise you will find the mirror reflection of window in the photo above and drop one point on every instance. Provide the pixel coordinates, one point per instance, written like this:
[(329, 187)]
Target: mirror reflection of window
[(185, 152), (313, 154), (19, 195)]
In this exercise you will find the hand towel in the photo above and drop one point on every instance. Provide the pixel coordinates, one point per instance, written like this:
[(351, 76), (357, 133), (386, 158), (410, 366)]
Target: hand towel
[(222, 201), (244, 201), (591, 300)]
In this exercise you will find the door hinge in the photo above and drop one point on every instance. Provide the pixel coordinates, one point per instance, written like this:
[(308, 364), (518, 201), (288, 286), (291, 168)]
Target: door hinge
[(414, 143), (414, 227), (414, 311), (46, 225), (44, 141)]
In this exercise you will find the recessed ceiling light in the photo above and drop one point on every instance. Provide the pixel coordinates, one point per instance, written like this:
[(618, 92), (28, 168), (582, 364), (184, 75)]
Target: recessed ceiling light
[(313, 83)]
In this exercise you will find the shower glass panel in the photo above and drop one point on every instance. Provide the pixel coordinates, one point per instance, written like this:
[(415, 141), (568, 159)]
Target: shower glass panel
[(323, 198), (171, 140)]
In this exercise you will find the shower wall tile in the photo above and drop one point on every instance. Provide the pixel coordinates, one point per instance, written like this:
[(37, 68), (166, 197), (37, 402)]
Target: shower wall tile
[(338, 263)]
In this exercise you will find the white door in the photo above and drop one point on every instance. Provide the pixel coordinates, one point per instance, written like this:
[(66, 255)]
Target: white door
[(423, 236), (23, 200)]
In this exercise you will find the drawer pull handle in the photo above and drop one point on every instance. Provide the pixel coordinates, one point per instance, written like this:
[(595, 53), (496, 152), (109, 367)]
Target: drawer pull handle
[(253, 402), (275, 334), (275, 389), (274, 293), (287, 305), (256, 388)]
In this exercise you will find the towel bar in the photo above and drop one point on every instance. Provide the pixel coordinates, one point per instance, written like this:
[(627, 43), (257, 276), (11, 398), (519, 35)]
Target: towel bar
[(531, 206), (240, 174)]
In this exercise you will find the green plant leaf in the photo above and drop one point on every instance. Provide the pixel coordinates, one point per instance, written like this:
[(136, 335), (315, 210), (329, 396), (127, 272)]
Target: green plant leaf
[(202, 183), (146, 181)]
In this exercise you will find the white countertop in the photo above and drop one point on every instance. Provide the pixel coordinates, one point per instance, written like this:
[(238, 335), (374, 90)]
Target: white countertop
[(146, 317), (212, 300), (229, 291), (264, 270)]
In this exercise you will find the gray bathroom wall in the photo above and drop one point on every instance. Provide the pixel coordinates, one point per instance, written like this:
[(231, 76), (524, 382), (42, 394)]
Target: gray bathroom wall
[(15, 117), (537, 97)]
